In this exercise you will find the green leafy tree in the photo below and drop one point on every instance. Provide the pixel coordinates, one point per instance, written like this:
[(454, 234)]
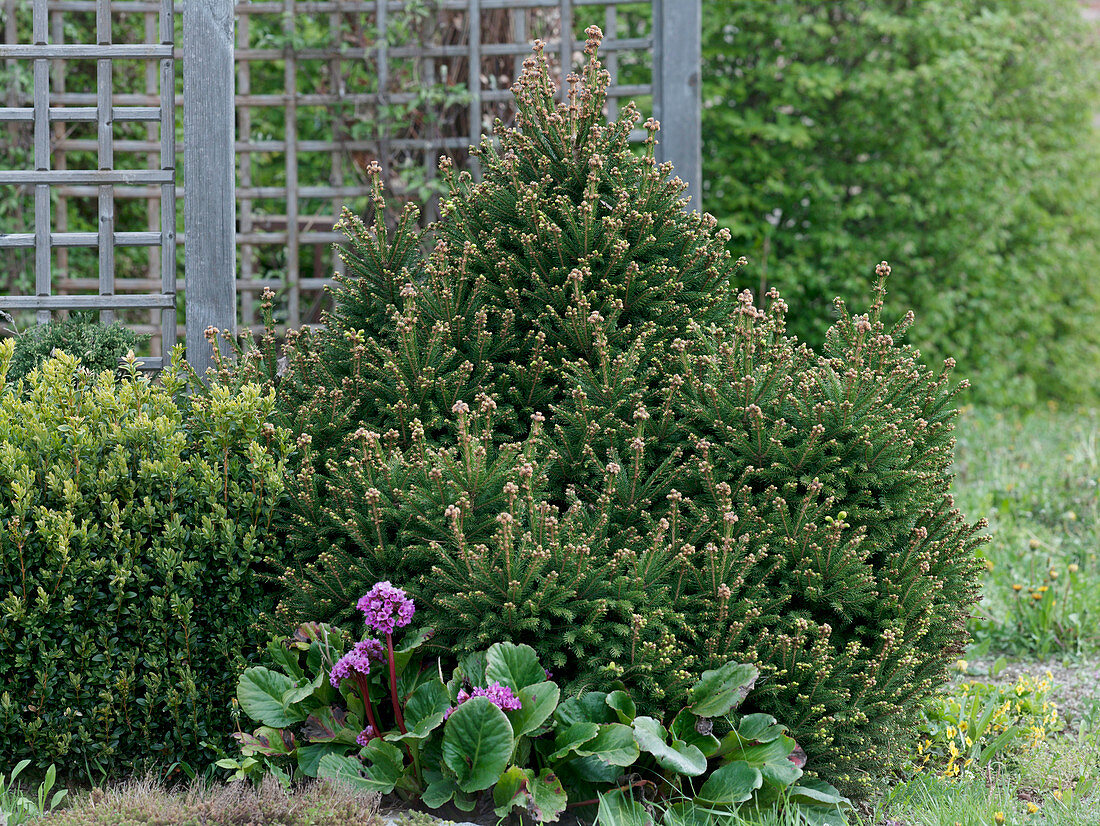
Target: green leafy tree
[(953, 138)]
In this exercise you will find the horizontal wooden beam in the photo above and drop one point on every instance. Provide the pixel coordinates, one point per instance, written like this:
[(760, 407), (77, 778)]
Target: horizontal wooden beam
[(96, 177), (88, 302), (81, 239), (74, 51), (81, 114)]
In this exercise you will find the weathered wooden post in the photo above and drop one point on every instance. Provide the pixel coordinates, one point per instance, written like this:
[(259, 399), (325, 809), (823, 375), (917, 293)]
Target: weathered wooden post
[(676, 54), (209, 207)]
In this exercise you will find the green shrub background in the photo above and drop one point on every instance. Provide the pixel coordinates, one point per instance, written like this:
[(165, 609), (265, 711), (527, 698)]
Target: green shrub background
[(953, 139), (98, 347), (132, 538)]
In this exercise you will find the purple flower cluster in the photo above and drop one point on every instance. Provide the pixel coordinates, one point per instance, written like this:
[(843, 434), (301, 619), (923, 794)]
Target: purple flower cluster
[(499, 695), (385, 608), (356, 661), (366, 735)]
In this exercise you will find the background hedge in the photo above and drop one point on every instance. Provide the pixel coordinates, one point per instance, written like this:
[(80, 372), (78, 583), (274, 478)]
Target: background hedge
[(954, 139)]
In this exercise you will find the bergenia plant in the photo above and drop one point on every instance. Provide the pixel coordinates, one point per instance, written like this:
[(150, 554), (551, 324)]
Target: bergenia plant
[(498, 730)]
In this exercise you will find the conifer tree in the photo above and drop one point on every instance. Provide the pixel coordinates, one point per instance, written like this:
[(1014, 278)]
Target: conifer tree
[(560, 426)]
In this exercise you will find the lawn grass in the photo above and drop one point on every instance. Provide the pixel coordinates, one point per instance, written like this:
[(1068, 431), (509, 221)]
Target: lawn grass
[(1035, 478)]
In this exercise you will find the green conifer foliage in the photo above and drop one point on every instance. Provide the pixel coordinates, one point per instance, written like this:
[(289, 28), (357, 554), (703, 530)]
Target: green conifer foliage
[(467, 527), (559, 426), (817, 495)]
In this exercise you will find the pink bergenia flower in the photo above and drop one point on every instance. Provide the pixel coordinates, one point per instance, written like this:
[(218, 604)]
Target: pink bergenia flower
[(354, 662), (372, 649), (385, 608), (365, 736), (499, 695), (357, 661)]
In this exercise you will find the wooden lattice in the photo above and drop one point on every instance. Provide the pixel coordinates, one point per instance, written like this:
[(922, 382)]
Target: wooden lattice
[(51, 113), (344, 69), (323, 88)]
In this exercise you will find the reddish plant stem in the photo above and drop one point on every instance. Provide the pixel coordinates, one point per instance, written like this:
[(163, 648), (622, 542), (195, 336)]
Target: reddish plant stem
[(364, 691), (393, 686), (595, 800)]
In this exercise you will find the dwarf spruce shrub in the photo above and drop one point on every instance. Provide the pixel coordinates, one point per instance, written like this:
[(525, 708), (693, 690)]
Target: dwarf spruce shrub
[(561, 426), (133, 537)]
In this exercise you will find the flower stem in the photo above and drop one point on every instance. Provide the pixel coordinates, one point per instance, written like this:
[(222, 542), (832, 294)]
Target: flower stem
[(393, 686), (364, 691)]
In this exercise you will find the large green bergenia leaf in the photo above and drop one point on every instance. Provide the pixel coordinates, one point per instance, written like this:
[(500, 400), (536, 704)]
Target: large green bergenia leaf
[(570, 739), (404, 652), (759, 727), (539, 701), (614, 744), (623, 705), (516, 666), (589, 707), (734, 747), (541, 797), (265, 696), (676, 756), (266, 740), (424, 711), (477, 744), (730, 784), (381, 767), (720, 691), (687, 727), (439, 792), (309, 757)]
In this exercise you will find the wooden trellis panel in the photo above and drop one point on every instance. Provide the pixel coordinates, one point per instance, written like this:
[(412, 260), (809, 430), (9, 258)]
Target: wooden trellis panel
[(350, 65), (50, 113), (322, 89)]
